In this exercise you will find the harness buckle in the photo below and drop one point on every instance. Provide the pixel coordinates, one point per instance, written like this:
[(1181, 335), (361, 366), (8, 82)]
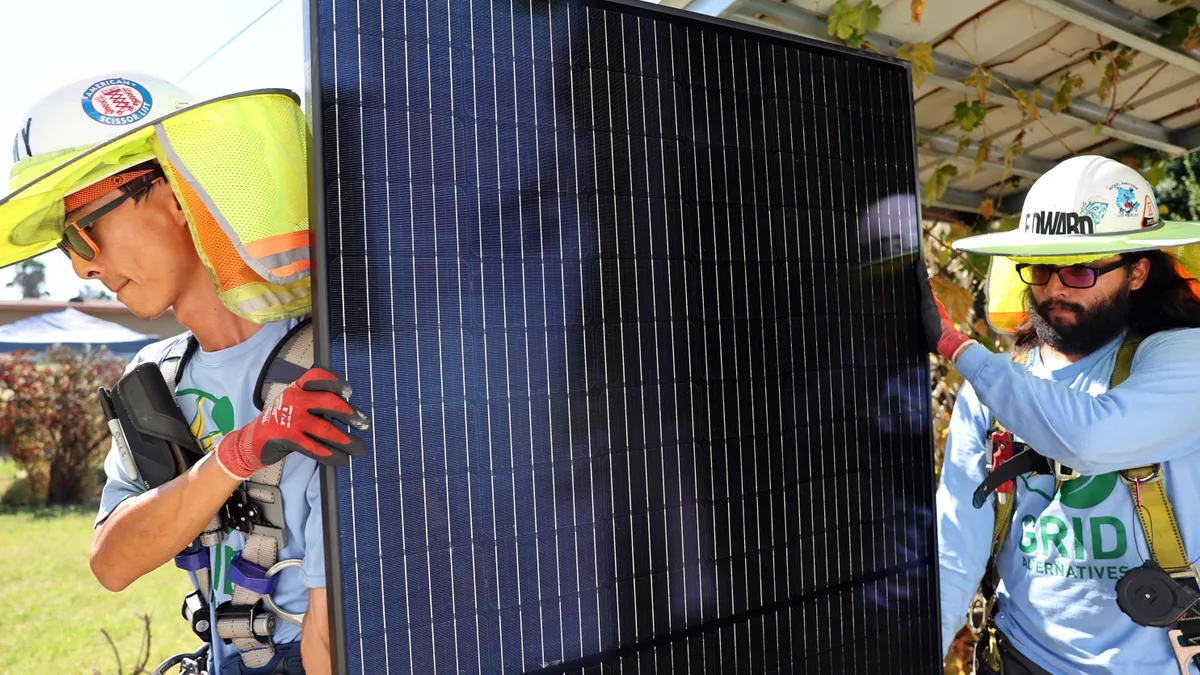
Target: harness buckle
[(249, 621), (1185, 652), (195, 612), (977, 614), (1190, 573), (251, 516), (1063, 472), (1129, 478), (1003, 450)]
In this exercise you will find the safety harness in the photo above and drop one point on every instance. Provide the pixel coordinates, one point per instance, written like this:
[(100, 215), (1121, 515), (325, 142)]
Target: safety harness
[(255, 509), (1011, 459)]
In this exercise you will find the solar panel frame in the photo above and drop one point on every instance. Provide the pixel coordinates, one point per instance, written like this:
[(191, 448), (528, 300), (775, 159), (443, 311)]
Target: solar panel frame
[(316, 112)]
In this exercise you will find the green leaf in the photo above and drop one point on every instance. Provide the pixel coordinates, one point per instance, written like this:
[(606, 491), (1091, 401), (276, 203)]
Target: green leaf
[(870, 15), (981, 156), (1178, 24), (938, 182), (844, 21), (1011, 152), (1104, 88), (1028, 102), (1117, 59), (982, 80), (957, 231), (920, 55), (963, 143), (1156, 172), (1067, 84), (969, 115), (943, 256), (978, 264), (851, 24)]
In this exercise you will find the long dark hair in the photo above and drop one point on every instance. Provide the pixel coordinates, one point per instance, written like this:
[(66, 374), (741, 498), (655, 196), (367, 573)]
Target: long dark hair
[(1167, 299)]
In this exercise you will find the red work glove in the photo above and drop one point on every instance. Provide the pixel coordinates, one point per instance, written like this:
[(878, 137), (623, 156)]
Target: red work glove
[(300, 420), (940, 334)]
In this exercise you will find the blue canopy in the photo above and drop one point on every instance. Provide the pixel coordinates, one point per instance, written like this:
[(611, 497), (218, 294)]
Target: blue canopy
[(70, 328)]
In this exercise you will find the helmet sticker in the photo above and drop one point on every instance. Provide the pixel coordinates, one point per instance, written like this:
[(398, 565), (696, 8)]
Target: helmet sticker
[(117, 101), (1149, 213), (1126, 199), (1095, 209)]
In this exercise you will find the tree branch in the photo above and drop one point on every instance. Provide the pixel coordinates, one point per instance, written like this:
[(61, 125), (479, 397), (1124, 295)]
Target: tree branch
[(117, 654), (1045, 43), (1139, 89)]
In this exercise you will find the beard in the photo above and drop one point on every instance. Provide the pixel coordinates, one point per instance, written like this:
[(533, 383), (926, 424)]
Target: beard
[(1092, 328)]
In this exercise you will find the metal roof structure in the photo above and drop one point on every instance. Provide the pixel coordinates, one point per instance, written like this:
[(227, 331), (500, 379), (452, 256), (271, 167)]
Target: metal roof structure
[(1029, 45)]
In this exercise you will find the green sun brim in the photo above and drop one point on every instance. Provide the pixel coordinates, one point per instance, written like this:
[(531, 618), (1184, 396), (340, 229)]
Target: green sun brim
[(1015, 243), (31, 216)]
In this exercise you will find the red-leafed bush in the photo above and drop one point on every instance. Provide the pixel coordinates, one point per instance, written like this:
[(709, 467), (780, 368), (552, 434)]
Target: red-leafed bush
[(51, 418)]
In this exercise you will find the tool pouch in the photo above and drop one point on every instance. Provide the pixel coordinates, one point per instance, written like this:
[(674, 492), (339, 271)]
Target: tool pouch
[(149, 430)]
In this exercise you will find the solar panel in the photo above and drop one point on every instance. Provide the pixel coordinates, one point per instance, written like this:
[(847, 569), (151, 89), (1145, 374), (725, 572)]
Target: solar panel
[(629, 294)]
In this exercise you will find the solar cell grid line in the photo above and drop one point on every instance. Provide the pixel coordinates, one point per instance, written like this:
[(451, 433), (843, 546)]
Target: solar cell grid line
[(611, 480)]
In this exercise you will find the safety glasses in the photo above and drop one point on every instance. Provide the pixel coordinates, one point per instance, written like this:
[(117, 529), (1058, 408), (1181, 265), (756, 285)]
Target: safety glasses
[(1073, 276), (75, 236)]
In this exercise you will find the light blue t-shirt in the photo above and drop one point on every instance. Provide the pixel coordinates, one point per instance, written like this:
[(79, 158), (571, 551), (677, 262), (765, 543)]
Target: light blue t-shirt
[(1065, 551), (216, 395)]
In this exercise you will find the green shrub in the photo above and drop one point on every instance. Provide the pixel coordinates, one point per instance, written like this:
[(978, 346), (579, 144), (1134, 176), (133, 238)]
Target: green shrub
[(51, 418), (19, 493)]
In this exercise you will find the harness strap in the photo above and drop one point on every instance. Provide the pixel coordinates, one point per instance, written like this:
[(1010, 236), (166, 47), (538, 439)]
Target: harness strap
[(171, 365), (243, 620), (247, 618), (1027, 460), (260, 553), (1004, 516), (1154, 510)]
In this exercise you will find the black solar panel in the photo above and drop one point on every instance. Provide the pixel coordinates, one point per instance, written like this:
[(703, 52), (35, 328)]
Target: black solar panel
[(629, 295)]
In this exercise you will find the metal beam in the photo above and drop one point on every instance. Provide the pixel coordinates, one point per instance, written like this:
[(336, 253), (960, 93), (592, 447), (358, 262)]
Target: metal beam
[(946, 147), (964, 200), (950, 72), (1121, 25), (1188, 137), (967, 200), (714, 7)]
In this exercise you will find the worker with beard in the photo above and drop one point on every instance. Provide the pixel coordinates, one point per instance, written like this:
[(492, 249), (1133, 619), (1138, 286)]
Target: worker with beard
[(1068, 511)]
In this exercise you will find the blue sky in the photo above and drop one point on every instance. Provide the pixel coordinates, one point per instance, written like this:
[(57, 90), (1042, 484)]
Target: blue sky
[(55, 42)]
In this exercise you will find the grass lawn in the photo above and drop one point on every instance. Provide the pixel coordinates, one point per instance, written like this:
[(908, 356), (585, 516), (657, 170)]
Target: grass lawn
[(52, 608)]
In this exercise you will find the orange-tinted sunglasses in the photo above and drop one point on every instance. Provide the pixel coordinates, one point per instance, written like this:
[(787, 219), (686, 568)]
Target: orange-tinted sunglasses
[(75, 237)]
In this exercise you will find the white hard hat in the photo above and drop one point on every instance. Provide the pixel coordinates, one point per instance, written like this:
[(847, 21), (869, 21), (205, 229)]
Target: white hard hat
[(1086, 205), (94, 111)]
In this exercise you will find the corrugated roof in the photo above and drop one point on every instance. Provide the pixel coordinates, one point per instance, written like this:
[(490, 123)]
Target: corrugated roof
[(1031, 43)]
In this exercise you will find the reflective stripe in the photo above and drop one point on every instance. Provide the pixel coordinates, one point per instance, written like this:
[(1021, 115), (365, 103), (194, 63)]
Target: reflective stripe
[(279, 243), (267, 300), (286, 264), (295, 269)]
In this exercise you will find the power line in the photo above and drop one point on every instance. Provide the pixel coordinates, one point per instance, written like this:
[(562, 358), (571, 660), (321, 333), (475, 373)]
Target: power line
[(230, 41)]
